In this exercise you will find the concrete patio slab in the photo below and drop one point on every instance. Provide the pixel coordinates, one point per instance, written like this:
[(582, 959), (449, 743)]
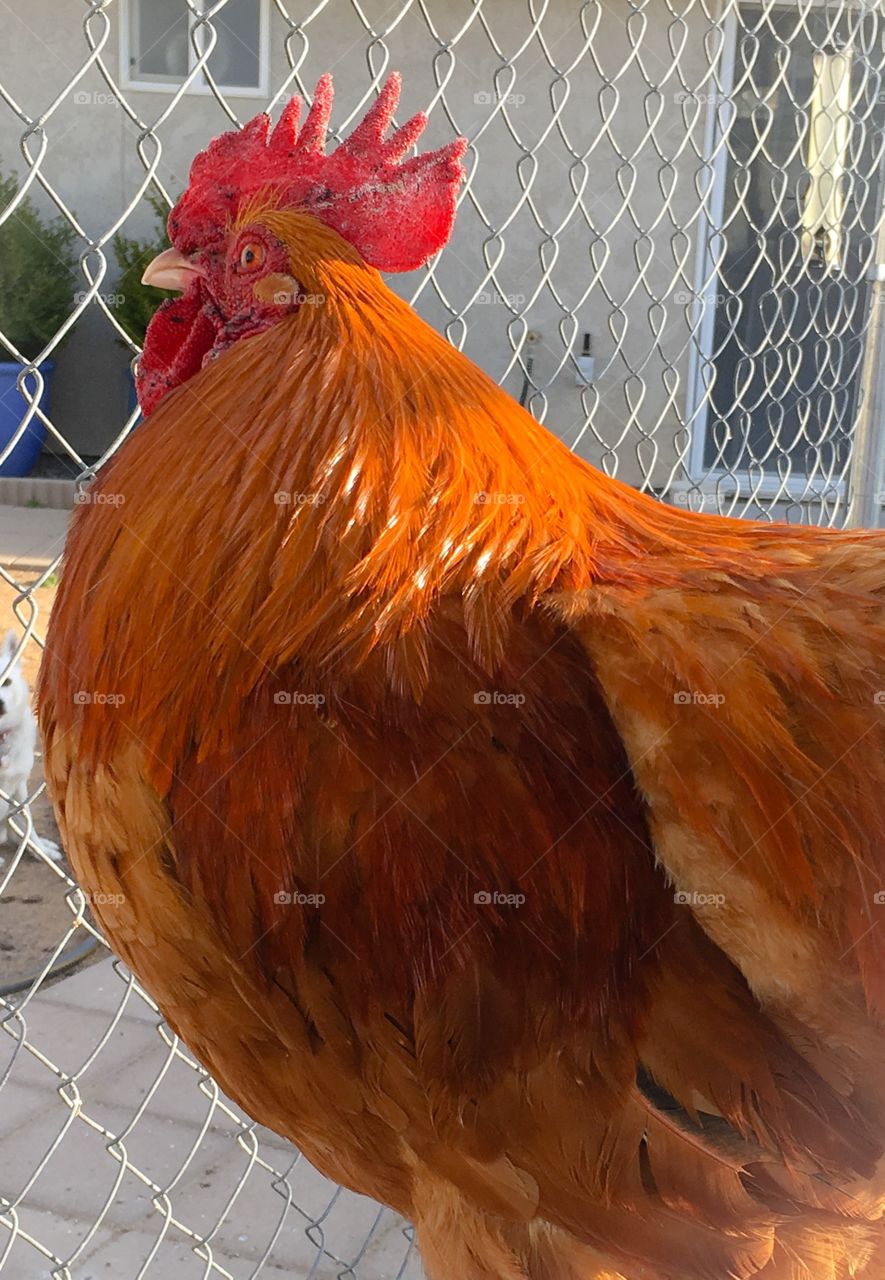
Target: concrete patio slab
[(31, 537)]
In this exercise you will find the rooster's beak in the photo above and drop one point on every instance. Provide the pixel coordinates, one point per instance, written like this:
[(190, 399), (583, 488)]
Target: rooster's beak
[(170, 270)]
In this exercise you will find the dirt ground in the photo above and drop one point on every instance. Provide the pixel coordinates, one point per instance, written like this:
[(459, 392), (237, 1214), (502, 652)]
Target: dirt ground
[(34, 915)]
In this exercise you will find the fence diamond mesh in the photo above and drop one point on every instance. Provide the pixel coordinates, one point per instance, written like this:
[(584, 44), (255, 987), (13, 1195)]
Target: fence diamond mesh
[(666, 249)]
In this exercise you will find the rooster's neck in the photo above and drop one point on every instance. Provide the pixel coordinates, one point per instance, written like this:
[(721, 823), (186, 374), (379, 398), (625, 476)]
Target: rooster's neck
[(406, 476)]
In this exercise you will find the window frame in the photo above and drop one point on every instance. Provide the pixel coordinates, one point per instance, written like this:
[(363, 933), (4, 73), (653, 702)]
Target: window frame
[(130, 81)]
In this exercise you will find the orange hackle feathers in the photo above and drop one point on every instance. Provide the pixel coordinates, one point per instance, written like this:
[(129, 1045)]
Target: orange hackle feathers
[(511, 842)]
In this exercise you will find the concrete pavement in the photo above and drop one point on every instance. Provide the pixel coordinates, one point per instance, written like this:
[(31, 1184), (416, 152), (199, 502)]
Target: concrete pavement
[(31, 537)]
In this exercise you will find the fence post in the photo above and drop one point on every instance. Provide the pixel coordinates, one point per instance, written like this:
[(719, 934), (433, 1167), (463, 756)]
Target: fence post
[(867, 474)]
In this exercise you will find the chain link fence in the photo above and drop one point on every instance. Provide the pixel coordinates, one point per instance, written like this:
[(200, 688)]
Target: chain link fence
[(667, 249)]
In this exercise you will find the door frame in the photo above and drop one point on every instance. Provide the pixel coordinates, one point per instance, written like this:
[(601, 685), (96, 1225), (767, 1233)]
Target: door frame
[(703, 317)]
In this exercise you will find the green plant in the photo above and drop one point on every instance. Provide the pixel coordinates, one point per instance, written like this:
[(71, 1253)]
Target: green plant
[(134, 303), (37, 273)]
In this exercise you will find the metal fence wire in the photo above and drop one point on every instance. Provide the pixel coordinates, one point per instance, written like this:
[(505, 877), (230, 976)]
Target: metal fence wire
[(666, 248)]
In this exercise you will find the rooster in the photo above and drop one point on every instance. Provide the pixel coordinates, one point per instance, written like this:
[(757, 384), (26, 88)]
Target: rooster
[(511, 842)]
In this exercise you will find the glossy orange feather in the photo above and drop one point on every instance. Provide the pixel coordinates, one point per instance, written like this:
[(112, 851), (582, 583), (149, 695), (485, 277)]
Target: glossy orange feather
[(480, 642)]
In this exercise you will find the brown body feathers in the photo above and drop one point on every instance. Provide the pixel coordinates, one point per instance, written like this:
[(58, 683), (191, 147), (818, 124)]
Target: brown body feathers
[(512, 843)]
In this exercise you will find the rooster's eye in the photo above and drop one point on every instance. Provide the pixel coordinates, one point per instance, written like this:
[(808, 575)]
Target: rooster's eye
[(251, 255)]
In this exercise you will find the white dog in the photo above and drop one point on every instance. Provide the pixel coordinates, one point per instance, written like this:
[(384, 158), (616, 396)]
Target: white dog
[(18, 738)]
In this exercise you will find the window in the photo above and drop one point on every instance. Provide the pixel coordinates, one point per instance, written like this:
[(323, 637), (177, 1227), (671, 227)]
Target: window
[(158, 51), (782, 281)]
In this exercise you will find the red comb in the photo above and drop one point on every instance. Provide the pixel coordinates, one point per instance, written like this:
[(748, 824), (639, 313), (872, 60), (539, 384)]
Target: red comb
[(395, 212)]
